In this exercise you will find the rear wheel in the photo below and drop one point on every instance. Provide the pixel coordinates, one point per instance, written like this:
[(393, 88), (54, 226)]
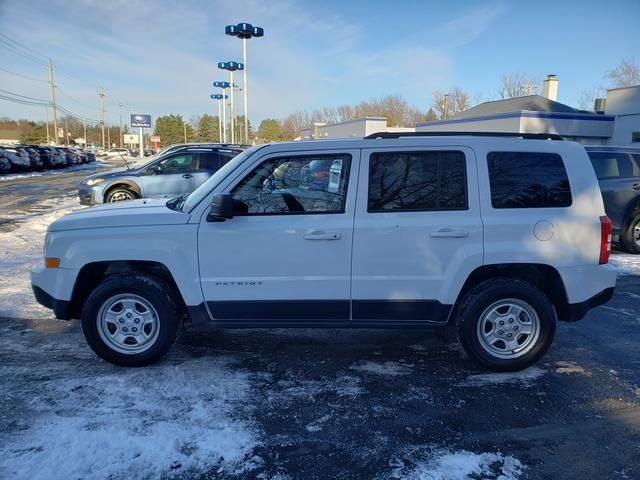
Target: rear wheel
[(120, 194), (506, 324), (130, 319), (630, 237)]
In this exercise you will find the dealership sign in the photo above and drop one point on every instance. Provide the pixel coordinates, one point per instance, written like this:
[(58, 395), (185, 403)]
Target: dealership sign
[(139, 120), (128, 138), (155, 139)]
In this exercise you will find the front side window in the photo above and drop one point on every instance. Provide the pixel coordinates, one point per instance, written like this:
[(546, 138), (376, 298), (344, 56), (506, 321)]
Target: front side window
[(176, 163), (290, 185), (417, 181), (611, 165), (528, 180), (209, 161)]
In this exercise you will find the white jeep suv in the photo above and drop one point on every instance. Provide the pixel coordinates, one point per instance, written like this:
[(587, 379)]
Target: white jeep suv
[(496, 237)]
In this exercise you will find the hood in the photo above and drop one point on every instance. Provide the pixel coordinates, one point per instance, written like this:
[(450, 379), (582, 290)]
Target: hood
[(116, 172), (121, 214)]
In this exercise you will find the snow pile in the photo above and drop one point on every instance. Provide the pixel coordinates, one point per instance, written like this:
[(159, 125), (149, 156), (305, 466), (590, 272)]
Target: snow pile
[(524, 378), (134, 423), (461, 465), (626, 264), (20, 251), (74, 168)]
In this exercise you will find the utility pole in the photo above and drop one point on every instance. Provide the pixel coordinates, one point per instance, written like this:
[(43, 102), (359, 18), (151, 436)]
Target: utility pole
[(109, 136), (53, 103), (185, 132), (120, 105), (84, 126), (46, 111), (66, 133), (101, 95)]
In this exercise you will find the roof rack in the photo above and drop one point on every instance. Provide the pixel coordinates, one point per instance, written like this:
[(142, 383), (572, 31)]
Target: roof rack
[(527, 136)]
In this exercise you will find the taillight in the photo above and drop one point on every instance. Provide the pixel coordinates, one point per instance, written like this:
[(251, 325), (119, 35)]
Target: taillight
[(605, 239)]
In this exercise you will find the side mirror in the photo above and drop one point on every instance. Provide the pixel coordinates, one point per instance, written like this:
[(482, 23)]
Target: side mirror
[(221, 208)]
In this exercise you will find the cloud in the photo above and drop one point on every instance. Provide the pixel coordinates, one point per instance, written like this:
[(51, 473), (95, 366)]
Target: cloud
[(160, 57)]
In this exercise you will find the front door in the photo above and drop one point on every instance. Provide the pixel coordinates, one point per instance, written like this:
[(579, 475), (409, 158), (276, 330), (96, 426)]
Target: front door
[(285, 256), (170, 177), (418, 234)]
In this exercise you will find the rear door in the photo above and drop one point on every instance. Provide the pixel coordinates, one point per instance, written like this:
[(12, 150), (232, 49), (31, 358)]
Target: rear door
[(417, 234), (619, 181)]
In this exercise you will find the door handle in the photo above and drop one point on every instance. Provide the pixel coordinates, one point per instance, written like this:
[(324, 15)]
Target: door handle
[(187, 175), (321, 236), (636, 186), (449, 233)]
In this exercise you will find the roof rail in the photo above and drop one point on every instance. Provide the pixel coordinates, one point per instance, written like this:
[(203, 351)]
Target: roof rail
[(527, 136)]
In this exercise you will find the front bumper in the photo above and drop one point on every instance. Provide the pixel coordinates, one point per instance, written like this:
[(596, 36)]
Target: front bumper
[(61, 308), (52, 288), (88, 195)]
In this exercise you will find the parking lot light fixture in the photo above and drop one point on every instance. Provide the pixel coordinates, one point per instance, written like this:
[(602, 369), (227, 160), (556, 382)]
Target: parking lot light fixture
[(231, 66), (245, 31), (221, 98), (223, 86)]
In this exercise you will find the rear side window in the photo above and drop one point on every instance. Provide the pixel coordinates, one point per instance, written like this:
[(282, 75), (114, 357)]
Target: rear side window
[(209, 161), (417, 181), (528, 180), (611, 165)]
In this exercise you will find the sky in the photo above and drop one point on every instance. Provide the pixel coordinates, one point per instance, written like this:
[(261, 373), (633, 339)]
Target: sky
[(160, 57)]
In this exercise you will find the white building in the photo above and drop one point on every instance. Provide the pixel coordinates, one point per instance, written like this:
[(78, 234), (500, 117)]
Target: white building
[(358, 128), (619, 124)]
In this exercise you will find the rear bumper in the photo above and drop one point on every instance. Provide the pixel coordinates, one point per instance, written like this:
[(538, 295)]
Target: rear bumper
[(577, 311)]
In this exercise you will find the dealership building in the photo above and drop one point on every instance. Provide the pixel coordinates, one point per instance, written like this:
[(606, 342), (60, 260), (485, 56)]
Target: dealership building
[(358, 128), (615, 122)]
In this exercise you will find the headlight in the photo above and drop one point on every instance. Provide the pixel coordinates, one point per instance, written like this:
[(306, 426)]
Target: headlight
[(94, 181)]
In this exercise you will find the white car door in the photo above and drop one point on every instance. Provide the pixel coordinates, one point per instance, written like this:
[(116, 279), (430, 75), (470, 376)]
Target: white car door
[(417, 234), (285, 256)]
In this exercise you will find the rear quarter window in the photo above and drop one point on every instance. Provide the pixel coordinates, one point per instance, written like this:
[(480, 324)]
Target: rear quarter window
[(528, 180)]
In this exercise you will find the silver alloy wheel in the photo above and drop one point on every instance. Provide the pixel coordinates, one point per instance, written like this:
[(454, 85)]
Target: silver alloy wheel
[(508, 328), (121, 196), (636, 233), (128, 324)]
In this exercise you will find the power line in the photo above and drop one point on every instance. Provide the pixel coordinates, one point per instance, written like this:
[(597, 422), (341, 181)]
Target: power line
[(17, 51), (23, 76), (22, 46)]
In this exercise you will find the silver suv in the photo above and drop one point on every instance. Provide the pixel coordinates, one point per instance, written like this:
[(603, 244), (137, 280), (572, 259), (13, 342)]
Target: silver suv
[(175, 171)]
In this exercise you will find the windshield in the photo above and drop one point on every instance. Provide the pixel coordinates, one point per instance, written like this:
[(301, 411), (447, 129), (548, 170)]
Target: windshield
[(203, 190)]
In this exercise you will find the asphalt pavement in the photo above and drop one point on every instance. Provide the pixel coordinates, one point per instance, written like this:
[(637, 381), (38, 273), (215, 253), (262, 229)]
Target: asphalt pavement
[(307, 404)]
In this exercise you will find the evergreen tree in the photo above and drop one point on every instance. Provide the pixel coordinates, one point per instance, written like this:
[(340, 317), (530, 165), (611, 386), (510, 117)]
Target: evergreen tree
[(170, 129), (271, 130), (34, 134)]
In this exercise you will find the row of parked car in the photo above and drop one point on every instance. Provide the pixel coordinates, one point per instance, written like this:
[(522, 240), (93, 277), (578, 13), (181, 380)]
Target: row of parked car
[(22, 158)]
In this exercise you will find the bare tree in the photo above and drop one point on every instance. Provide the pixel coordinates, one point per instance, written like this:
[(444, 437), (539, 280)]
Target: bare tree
[(626, 74), (587, 98), (447, 104), (518, 85)]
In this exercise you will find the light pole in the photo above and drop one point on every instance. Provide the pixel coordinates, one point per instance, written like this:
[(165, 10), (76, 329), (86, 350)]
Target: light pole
[(221, 98), (232, 67), (223, 86), (120, 105), (244, 31)]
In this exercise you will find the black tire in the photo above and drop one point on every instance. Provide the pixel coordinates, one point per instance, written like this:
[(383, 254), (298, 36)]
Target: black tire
[(152, 290), (485, 294), (628, 235), (120, 191)]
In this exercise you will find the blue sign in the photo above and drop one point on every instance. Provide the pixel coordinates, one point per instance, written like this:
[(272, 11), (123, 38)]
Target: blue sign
[(138, 120)]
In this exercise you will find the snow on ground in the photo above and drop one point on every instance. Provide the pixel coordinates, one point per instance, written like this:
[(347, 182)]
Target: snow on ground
[(525, 378), (442, 464), (74, 168), (20, 251), (384, 368), (625, 263), (154, 422)]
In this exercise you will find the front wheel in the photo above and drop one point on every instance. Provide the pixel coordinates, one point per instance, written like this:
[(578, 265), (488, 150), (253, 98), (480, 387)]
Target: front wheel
[(130, 319), (120, 194), (506, 324)]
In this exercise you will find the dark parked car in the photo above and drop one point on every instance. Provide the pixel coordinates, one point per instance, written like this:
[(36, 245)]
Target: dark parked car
[(5, 164), (618, 172), (19, 158), (175, 171), (34, 158)]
